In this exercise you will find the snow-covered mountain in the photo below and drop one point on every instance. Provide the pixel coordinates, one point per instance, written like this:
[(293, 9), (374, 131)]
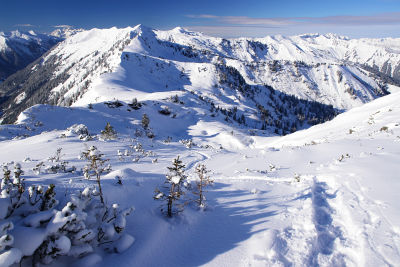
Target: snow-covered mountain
[(18, 49), (326, 195), (102, 65)]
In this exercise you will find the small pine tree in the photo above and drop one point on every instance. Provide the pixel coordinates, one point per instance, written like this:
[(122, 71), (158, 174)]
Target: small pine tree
[(145, 121), (108, 133), (175, 99), (95, 166), (173, 189), (135, 104), (204, 181)]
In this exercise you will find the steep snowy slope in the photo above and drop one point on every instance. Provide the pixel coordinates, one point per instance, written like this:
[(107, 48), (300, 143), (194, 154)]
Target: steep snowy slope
[(18, 49), (61, 75), (325, 196), (328, 69)]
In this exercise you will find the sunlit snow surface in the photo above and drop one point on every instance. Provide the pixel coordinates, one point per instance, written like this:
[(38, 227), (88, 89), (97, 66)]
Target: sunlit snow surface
[(325, 196), (343, 211)]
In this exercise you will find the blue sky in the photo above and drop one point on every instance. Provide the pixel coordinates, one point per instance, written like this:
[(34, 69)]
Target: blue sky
[(227, 18)]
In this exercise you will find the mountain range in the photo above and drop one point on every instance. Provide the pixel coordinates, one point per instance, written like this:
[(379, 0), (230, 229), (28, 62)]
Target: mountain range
[(111, 121), (232, 74)]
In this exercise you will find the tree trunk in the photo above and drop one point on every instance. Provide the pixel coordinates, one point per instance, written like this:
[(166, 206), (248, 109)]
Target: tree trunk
[(101, 191), (170, 206), (170, 200)]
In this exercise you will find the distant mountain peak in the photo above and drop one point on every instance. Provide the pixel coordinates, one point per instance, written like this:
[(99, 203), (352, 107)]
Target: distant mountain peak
[(312, 67)]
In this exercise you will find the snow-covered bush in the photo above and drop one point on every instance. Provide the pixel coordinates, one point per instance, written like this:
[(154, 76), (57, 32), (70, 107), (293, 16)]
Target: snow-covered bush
[(32, 226), (12, 191), (164, 110), (175, 99), (8, 255), (135, 104), (188, 143), (80, 130), (38, 167), (201, 184), (58, 165), (81, 225), (173, 189), (120, 155), (297, 177), (108, 133)]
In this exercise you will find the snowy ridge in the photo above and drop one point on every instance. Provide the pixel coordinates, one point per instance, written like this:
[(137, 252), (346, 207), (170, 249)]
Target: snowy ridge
[(329, 69), (326, 195), (18, 49)]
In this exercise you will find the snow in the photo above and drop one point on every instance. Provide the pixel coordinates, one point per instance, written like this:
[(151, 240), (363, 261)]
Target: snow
[(36, 219), (10, 257), (124, 243), (4, 203), (104, 63), (322, 196), (88, 261), (175, 179), (20, 97), (343, 210), (63, 244), (22, 234)]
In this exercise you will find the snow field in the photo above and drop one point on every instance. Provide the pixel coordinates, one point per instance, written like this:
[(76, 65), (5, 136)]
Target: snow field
[(325, 196)]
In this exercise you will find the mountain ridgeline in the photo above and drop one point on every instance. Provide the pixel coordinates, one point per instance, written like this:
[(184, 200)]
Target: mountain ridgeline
[(279, 84), (18, 49)]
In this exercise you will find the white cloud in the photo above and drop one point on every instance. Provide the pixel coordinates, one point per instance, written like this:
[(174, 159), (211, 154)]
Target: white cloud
[(62, 26), (24, 25), (377, 19)]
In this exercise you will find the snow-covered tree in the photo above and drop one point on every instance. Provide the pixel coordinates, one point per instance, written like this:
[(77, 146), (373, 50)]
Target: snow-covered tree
[(173, 189), (108, 133), (95, 166), (145, 121), (201, 184)]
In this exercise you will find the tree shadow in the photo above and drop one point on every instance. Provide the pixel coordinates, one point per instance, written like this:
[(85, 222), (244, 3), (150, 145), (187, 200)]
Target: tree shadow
[(194, 237)]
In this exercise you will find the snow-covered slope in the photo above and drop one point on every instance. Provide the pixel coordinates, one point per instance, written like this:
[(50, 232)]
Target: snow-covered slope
[(18, 49), (99, 65), (325, 196)]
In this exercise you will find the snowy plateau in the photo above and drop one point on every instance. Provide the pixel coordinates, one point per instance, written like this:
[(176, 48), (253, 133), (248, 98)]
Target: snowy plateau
[(300, 135)]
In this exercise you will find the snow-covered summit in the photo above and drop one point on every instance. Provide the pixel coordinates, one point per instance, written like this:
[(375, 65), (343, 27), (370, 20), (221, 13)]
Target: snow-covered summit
[(102, 64), (65, 32), (322, 196)]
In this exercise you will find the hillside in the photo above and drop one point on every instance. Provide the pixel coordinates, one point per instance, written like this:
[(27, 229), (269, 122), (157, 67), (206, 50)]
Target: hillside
[(18, 49), (98, 65), (324, 196)]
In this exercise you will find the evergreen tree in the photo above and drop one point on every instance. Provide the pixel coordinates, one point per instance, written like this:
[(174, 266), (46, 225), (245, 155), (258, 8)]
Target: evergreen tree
[(173, 189), (95, 166), (204, 181), (145, 121), (108, 133)]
